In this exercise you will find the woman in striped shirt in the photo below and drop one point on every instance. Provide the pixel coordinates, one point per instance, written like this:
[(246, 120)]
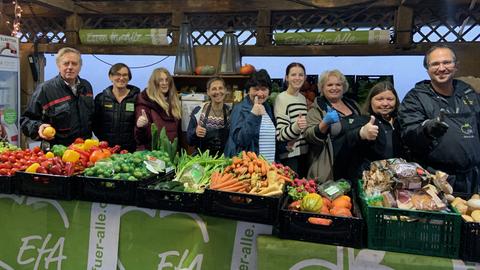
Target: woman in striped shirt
[(252, 125), (290, 111)]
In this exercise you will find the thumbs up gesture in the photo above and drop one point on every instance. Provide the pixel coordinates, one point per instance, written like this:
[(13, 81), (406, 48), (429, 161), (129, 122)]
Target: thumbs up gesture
[(142, 119), (301, 122), (258, 108), (200, 131), (369, 131), (331, 116)]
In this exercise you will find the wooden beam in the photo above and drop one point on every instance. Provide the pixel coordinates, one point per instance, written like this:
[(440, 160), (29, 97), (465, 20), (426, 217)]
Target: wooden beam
[(73, 25), (204, 6), (312, 50), (341, 3), (59, 5), (403, 26), (177, 19), (264, 31)]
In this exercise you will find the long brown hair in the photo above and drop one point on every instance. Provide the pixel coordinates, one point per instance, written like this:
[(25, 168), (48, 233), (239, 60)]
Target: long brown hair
[(172, 105)]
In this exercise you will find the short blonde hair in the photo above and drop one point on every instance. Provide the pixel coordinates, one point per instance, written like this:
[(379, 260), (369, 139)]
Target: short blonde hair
[(66, 50), (324, 77)]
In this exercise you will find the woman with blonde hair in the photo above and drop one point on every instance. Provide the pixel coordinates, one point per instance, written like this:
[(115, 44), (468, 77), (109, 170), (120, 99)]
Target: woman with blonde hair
[(159, 104)]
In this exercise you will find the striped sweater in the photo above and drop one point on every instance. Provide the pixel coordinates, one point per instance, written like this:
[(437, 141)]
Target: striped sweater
[(287, 109)]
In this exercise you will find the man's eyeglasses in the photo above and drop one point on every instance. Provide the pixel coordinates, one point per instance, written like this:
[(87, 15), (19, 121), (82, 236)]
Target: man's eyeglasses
[(446, 64), (125, 75)]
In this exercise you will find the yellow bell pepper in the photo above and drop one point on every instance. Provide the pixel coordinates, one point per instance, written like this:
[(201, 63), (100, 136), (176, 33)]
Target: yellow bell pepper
[(89, 143), (32, 168), (49, 155), (70, 156)]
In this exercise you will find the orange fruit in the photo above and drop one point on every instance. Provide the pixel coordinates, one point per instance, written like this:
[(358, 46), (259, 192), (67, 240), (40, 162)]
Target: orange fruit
[(340, 211), (342, 202), (49, 132)]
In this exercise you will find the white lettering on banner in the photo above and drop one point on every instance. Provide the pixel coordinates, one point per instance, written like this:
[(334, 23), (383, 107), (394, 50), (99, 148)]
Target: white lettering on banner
[(52, 255), (163, 264), (365, 259), (104, 233), (245, 246), (461, 265)]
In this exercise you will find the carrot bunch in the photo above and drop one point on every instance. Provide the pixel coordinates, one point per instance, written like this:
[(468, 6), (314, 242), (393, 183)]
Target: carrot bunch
[(250, 174)]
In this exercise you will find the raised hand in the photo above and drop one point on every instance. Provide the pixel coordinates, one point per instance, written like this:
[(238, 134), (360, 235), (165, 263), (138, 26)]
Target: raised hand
[(331, 116), (258, 109), (200, 131), (369, 131), (435, 128), (142, 119), (302, 122)]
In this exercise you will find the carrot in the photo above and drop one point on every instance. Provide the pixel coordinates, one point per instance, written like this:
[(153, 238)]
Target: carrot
[(214, 178), (264, 169), (236, 160), (225, 184), (320, 221), (233, 187), (252, 155), (241, 170), (250, 168), (225, 178), (284, 178), (244, 154)]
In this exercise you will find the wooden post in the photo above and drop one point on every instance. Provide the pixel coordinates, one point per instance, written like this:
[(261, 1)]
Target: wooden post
[(3, 21), (73, 25), (404, 27), (264, 30), (177, 19)]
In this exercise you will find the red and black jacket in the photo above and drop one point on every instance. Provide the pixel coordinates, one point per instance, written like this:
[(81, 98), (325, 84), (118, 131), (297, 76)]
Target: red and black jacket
[(54, 103)]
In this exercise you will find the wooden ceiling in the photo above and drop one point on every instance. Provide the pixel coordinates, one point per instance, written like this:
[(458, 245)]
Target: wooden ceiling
[(62, 19)]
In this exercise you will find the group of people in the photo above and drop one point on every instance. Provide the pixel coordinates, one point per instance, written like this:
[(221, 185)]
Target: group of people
[(437, 124)]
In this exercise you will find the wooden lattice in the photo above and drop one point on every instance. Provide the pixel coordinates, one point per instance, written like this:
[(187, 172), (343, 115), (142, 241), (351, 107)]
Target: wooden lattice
[(361, 18), (42, 30), (208, 29), (437, 24), (129, 21)]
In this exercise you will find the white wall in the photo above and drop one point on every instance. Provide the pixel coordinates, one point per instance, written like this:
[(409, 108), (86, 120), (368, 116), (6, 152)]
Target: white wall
[(407, 70)]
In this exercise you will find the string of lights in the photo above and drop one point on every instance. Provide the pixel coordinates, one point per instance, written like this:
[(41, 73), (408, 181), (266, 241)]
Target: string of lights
[(17, 19)]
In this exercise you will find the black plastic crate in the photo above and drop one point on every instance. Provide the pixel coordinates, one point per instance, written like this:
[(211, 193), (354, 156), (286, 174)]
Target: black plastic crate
[(7, 184), (45, 185), (343, 231), (242, 206), (168, 200), (107, 190), (470, 238)]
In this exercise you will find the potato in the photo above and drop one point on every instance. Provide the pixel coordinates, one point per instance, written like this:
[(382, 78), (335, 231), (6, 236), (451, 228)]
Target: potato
[(449, 197), (476, 215), (467, 218), (474, 204), (462, 208), (458, 200)]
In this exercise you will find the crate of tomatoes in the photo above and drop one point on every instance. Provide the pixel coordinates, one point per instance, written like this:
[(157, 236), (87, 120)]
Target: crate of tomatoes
[(326, 213)]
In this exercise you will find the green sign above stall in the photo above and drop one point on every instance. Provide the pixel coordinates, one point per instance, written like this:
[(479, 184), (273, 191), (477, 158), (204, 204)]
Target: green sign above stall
[(153, 36)]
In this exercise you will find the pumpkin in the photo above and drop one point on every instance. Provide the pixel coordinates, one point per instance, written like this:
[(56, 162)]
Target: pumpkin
[(247, 69)]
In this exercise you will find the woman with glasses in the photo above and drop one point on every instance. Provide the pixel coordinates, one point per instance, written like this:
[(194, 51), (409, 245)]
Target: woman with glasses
[(114, 118), (158, 103)]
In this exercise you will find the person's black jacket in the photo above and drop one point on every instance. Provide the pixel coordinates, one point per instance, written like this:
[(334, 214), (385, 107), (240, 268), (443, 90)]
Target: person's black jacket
[(54, 103), (388, 144), (114, 122), (459, 147)]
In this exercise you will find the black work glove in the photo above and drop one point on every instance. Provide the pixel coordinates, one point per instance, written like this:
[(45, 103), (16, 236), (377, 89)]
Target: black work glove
[(435, 128)]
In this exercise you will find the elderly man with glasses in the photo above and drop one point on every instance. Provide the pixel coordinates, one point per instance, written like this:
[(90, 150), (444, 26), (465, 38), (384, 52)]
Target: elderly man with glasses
[(440, 121)]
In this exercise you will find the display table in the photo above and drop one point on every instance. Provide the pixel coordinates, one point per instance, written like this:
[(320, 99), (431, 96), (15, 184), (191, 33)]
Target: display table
[(37, 233)]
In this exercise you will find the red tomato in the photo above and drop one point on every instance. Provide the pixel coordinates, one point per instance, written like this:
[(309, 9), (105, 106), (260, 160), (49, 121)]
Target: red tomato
[(7, 165), (37, 149), (4, 171), (12, 159), (13, 170), (19, 155)]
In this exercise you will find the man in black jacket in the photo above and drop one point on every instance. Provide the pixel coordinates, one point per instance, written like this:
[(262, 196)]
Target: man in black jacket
[(64, 103), (440, 121)]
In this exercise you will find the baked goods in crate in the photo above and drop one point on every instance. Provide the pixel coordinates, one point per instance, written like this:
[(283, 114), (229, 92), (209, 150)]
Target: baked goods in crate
[(406, 185)]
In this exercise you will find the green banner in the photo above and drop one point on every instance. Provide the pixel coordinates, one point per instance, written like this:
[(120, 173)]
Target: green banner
[(296, 255), (153, 36), (340, 37)]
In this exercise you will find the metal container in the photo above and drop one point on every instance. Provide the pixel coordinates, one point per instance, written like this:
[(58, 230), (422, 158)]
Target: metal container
[(185, 58), (230, 61)]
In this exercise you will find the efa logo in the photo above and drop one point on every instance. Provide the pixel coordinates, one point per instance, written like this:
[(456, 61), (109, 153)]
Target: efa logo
[(467, 130)]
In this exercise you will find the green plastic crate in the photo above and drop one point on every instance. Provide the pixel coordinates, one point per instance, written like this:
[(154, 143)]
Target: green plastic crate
[(432, 234)]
